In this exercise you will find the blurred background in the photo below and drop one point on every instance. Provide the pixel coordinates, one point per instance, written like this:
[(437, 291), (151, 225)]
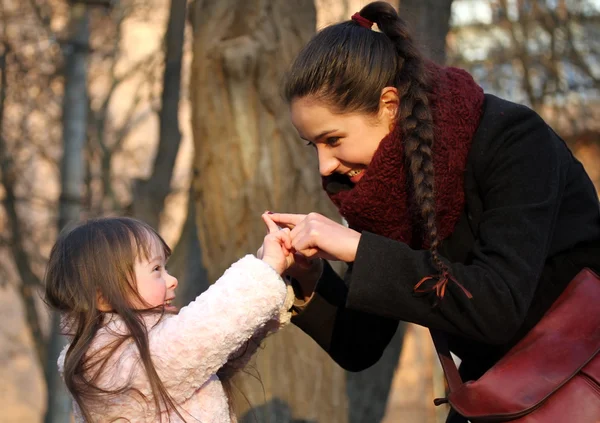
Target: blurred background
[(170, 111)]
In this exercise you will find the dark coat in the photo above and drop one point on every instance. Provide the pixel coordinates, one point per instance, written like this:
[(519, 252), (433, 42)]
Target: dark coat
[(531, 222)]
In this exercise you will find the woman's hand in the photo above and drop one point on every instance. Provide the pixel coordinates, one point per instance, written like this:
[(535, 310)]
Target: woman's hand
[(276, 247), (314, 235)]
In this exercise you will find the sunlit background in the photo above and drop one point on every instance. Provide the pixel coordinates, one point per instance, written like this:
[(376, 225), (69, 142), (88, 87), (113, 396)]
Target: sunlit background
[(185, 128)]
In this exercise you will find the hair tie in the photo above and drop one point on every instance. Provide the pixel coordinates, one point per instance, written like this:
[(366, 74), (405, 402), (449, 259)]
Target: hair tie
[(364, 22)]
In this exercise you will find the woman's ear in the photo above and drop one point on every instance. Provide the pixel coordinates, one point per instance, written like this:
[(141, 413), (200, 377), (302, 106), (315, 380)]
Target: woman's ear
[(388, 106)]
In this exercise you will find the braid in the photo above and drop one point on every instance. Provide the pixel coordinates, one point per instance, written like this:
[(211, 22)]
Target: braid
[(415, 119)]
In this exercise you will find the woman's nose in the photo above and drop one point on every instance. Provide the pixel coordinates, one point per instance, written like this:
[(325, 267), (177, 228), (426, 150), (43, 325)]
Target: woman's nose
[(327, 163)]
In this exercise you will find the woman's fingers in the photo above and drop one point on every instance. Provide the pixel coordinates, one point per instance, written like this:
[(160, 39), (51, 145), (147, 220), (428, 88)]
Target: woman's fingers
[(271, 225), (287, 219), (304, 244), (314, 235), (319, 236)]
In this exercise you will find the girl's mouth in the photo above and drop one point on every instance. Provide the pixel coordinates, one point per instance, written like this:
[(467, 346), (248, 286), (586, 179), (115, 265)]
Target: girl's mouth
[(168, 306)]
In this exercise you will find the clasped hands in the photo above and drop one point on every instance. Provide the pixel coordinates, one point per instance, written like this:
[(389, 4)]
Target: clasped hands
[(303, 240)]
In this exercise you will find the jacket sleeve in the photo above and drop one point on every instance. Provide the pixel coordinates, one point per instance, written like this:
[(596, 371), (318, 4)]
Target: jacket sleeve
[(354, 339), (189, 348), (240, 358), (521, 176)]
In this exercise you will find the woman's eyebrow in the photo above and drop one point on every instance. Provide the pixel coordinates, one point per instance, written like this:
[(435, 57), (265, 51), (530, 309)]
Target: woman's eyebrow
[(321, 135)]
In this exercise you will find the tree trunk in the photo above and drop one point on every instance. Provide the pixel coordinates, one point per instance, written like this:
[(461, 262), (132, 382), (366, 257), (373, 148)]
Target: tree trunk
[(150, 194), (186, 261), (72, 179), (430, 23), (248, 158)]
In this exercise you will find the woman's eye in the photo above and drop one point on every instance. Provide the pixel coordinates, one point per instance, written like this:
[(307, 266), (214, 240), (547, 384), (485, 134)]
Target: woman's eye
[(332, 141)]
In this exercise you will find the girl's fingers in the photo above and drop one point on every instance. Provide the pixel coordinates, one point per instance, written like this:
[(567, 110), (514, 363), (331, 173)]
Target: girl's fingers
[(283, 236)]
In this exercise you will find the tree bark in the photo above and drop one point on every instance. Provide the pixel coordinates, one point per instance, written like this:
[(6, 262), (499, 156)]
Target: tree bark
[(248, 158), (186, 261), (430, 23), (150, 194), (71, 179)]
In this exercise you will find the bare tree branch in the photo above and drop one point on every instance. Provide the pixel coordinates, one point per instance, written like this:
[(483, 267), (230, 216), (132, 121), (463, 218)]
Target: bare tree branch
[(29, 281)]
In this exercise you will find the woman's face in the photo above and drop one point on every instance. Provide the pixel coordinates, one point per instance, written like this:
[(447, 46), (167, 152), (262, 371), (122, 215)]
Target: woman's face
[(345, 142)]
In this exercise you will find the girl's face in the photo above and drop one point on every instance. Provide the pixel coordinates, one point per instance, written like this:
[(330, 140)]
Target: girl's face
[(154, 284), (345, 143)]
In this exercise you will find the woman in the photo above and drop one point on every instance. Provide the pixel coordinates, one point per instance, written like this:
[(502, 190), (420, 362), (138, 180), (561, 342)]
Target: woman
[(467, 213)]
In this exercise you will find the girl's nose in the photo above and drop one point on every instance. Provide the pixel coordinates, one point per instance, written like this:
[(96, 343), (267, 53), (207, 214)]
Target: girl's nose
[(173, 282)]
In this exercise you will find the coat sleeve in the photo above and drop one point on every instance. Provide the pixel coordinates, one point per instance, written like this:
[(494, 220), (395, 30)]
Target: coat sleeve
[(354, 339), (241, 357)]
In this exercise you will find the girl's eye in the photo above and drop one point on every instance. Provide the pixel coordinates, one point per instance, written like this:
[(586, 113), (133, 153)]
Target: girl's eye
[(156, 268)]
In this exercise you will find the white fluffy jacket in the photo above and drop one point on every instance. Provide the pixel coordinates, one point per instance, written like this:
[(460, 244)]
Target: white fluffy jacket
[(248, 301)]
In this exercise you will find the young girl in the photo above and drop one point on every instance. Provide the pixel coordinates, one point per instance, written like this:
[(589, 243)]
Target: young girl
[(467, 213), (132, 355)]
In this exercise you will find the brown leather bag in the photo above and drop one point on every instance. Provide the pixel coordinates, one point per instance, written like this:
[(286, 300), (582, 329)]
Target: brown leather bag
[(552, 375)]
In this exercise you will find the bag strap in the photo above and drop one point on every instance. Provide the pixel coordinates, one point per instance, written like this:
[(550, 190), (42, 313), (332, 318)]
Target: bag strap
[(440, 341)]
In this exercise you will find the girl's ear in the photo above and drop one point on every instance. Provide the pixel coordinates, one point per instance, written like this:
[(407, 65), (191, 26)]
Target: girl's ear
[(388, 104), (101, 303)]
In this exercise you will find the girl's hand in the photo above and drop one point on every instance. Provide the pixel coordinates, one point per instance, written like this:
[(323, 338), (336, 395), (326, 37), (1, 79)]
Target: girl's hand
[(306, 271), (314, 235), (276, 247)]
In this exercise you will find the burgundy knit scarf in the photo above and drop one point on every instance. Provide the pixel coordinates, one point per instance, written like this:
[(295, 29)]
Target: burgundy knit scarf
[(381, 201)]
